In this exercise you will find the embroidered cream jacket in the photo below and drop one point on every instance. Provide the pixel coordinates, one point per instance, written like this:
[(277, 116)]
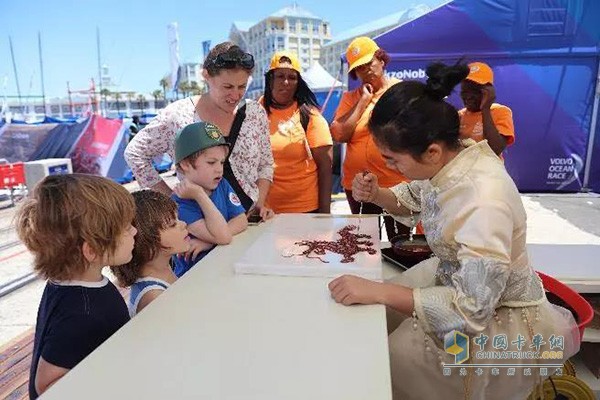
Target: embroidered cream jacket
[(475, 223)]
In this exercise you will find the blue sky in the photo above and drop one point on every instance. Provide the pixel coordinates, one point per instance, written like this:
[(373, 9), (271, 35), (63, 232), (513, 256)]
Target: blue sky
[(133, 35)]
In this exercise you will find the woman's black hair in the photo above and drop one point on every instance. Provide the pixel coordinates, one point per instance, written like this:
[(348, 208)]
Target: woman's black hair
[(305, 97), (412, 115)]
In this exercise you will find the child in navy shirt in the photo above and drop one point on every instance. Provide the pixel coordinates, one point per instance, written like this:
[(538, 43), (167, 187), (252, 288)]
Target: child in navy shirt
[(160, 235), (74, 225), (205, 200)]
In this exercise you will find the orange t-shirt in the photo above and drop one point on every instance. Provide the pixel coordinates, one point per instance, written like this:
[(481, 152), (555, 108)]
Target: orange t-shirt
[(295, 185), (471, 123), (361, 152)]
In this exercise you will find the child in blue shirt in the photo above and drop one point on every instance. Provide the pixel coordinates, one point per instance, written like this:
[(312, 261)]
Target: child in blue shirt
[(74, 225), (160, 235), (205, 200)]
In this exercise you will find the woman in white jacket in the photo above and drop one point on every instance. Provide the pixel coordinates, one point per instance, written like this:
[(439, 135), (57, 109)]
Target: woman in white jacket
[(479, 290)]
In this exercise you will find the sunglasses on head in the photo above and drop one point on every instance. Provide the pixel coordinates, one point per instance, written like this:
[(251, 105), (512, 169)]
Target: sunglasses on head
[(229, 61)]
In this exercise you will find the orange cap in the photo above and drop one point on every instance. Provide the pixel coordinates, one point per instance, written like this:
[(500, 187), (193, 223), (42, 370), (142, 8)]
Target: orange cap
[(480, 73), (277, 63), (360, 51)]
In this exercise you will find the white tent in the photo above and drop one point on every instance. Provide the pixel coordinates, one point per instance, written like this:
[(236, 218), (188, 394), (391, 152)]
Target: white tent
[(318, 79)]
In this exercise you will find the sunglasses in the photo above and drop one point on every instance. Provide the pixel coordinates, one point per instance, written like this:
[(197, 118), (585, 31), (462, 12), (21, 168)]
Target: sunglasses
[(230, 61)]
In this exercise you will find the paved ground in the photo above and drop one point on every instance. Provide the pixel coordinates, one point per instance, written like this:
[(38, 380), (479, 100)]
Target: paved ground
[(581, 210), (561, 219)]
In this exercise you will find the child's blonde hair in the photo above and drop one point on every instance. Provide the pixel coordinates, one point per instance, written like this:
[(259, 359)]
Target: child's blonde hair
[(65, 211), (154, 212)]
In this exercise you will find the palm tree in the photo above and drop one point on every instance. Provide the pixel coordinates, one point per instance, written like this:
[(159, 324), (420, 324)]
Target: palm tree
[(184, 88), (141, 102), (164, 83), (195, 88), (157, 94), (117, 100), (104, 93)]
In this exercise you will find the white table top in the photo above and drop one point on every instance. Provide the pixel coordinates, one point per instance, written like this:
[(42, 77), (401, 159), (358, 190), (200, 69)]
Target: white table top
[(576, 265), (218, 335)]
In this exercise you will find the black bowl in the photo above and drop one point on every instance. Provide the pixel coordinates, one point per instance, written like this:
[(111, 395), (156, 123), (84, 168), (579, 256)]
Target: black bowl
[(413, 251)]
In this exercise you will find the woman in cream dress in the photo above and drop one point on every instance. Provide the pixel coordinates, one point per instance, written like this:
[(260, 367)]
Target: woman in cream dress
[(480, 282)]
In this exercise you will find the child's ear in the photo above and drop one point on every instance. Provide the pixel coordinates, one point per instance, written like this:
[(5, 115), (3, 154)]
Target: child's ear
[(89, 253), (184, 166)]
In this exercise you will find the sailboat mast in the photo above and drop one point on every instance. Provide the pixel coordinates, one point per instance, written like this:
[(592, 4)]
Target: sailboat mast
[(12, 54), (42, 73), (102, 106)]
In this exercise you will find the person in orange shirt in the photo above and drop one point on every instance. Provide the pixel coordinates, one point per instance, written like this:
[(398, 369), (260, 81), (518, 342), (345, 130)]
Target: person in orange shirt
[(300, 140), (366, 62), (482, 118)]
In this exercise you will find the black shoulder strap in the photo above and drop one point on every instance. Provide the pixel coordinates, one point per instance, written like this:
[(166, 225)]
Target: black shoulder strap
[(234, 132), (227, 171)]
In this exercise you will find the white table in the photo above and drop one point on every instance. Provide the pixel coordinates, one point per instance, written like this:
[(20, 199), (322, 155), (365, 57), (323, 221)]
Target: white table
[(216, 335), (576, 265)]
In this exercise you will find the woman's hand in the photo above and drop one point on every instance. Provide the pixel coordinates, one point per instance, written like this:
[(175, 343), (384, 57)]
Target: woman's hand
[(366, 92), (350, 289), (260, 209), (365, 187), (188, 190)]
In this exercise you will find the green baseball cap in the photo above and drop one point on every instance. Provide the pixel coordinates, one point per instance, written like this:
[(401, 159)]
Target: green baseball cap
[(195, 137)]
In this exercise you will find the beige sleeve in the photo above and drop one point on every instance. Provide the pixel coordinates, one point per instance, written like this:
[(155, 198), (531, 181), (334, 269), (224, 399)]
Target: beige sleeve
[(484, 237)]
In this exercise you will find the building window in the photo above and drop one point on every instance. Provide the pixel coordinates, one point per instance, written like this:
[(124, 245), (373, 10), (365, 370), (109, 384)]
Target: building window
[(305, 41), (304, 26), (325, 30), (292, 23), (315, 29)]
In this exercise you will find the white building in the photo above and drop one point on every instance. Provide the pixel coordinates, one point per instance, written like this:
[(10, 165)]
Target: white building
[(191, 72), (291, 28), (332, 52)]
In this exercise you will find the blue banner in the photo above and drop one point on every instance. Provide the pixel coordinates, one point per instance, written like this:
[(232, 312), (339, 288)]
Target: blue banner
[(545, 66)]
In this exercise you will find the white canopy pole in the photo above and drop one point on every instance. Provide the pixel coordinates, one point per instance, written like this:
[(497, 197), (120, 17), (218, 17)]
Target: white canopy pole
[(592, 137)]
